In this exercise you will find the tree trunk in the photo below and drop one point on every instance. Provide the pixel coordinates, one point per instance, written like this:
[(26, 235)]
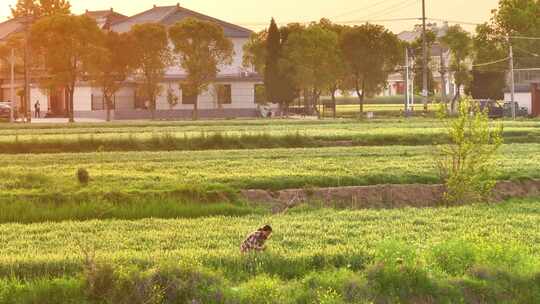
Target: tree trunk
[(307, 108), (195, 114), (108, 107), (70, 111), (315, 102), (443, 80), (456, 98), (333, 94)]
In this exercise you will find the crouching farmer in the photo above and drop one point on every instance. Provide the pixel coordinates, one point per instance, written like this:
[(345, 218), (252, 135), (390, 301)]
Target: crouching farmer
[(255, 241)]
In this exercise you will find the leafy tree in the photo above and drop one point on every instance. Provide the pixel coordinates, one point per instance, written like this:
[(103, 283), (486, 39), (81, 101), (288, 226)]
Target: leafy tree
[(40, 8), (277, 78), (517, 17), (272, 69), (339, 70), (460, 43), (316, 58), (489, 81), (109, 63), (466, 164), (16, 43), (371, 53), (255, 52), (511, 18), (62, 42), (152, 57), (202, 48)]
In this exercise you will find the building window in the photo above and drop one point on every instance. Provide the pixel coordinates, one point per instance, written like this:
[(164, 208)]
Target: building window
[(188, 99), (98, 103), (260, 94), (224, 95)]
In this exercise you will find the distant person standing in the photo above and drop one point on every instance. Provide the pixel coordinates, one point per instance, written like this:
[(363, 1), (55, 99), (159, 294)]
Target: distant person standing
[(37, 109), (255, 241)]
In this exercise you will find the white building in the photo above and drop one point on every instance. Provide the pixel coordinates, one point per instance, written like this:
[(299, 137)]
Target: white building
[(526, 95), (440, 61), (231, 95)]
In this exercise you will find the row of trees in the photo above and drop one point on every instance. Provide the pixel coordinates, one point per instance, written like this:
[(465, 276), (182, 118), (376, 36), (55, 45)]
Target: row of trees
[(322, 58), (67, 49)]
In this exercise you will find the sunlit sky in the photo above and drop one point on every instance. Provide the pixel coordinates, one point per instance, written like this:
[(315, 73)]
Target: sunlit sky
[(255, 14)]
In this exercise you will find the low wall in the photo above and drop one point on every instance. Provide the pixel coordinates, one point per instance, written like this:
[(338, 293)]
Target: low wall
[(381, 196), (186, 114)]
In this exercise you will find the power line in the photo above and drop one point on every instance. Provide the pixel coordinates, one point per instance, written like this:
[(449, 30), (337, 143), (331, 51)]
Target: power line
[(528, 69), (524, 37), (394, 7), (377, 20), (359, 9), (491, 62), (338, 22), (527, 52)]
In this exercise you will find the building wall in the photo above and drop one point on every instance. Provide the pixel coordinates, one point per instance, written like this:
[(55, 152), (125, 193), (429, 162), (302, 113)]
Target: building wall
[(82, 98), (524, 100), (242, 95), (242, 103)]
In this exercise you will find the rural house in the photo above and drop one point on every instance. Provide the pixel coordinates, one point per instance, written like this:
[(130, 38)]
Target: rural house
[(235, 83), (440, 61)]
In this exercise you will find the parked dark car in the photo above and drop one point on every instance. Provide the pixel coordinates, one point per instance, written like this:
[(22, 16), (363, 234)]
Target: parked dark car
[(5, 112), (494, 109)]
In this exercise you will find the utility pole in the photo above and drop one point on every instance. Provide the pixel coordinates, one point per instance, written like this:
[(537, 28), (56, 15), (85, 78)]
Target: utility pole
[(27, 102), (406, 82), (512, 82), (12, 86), (425, 59)]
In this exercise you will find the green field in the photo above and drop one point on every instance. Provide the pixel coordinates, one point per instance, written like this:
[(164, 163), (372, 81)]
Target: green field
[(448, 254), (160, 219), (165, 136), (242, 169)]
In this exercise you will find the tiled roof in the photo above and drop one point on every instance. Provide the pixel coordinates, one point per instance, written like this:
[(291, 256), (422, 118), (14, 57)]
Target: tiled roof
[(9, 27), (169, 15), (106, 17)]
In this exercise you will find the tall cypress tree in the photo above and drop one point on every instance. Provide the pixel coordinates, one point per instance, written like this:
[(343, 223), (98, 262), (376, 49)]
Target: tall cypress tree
[(271, 73)]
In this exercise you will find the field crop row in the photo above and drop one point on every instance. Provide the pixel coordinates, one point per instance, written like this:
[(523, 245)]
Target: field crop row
[(260, 169), (184, 136), (304, 240)]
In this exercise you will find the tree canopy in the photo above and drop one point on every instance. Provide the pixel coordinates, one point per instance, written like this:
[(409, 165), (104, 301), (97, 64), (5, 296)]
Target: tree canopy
[(315, 55), (40, 8), (109, 63), (460, 44), (62, 43), (202, 49), (371, 53), (152, 57), (511, 18)]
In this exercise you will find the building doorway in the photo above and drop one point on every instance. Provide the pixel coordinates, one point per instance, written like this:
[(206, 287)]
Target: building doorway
[(57, 103)]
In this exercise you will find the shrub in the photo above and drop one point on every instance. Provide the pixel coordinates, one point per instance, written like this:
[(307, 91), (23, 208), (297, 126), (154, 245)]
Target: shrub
[(466, 164), (454, 257), (83, 176), (263, 290)]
